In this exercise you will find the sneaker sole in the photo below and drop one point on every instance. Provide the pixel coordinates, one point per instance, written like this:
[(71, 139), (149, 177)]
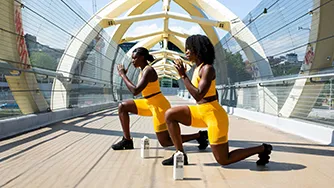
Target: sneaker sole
[(124, 148)]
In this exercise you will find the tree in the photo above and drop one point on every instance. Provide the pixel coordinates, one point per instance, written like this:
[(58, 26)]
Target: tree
[(43, 60), (236, 67), (286, 69)]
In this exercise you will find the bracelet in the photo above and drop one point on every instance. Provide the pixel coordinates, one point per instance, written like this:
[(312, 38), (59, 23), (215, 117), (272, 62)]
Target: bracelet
[(183, 76)]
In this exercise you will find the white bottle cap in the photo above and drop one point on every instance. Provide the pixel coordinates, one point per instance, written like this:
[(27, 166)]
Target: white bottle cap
[(145, 137)]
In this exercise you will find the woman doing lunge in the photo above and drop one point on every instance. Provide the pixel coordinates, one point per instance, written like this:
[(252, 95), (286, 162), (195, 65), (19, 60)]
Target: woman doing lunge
[(153, 104), (207, 112)]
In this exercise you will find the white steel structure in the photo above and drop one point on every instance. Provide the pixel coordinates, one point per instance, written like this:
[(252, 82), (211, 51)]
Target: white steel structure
[(198, 10)]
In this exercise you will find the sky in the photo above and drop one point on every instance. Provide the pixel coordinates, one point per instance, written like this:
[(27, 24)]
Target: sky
[(240, 7)]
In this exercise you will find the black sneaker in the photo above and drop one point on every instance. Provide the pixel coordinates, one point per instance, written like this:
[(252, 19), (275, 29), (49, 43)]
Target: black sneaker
[(123, 144), (264, 156), (170, 161), (202, 140)]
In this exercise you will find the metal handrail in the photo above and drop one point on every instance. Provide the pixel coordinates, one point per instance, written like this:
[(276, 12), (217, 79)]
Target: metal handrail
[(54, 74), (287, 79)]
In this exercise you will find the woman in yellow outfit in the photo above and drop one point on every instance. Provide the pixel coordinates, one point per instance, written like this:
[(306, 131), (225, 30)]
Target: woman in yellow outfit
[(208, 112), (153, 104)]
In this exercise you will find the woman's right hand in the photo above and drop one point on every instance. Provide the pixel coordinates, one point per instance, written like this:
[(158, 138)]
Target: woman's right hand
[(180, 67), (121, 70)]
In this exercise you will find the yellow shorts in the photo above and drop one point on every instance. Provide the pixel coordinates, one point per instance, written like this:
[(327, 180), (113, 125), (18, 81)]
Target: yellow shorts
[(212, 116), (155, 106)]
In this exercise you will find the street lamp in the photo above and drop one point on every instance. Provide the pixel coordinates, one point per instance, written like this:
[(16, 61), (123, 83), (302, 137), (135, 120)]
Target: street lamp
[(265, 11), (302, 28)]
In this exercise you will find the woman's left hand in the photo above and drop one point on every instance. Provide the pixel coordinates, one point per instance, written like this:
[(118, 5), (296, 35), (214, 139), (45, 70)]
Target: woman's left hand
[(121, 70), (180, 67)]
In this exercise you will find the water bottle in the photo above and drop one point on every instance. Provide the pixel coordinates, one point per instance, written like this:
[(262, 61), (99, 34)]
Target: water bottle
[(178, 166), (145, 147)]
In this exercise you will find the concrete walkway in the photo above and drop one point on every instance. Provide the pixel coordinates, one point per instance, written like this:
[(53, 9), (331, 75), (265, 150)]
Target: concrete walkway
[(77, 153)]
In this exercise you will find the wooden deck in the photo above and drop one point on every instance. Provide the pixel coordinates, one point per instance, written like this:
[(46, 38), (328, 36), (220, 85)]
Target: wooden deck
[(77, 153)]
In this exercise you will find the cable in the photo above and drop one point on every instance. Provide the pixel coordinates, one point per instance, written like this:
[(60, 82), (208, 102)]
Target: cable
[(250, 22), (284, 52), (97, 32), (82, 18), (283, 26), (55, 50), (324, 68), (60, 28), (319, 40)]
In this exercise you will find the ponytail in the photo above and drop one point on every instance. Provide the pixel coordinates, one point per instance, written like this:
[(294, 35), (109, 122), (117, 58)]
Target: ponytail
[(149, 58), (144, 52)]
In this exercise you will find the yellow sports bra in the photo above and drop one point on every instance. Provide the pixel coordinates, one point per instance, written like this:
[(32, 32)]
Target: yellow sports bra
[(195, 81), (151, 88)]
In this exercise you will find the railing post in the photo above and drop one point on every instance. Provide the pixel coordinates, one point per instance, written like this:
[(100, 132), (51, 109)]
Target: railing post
[(264, 100), (330, 93)]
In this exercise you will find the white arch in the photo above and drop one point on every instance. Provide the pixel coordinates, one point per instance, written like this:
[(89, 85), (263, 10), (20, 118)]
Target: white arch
[(301, 101), (244, 38), (190, 9), (136, 10), (77, 47), (151, 41), (115, 8), (141, 8)]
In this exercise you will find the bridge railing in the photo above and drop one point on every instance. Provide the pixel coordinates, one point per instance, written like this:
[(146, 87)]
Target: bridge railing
[(311, 97)]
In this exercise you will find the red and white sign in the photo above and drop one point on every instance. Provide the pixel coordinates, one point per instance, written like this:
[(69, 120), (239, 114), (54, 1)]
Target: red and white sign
[(20, 41), (99, 43), (309, 56)]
